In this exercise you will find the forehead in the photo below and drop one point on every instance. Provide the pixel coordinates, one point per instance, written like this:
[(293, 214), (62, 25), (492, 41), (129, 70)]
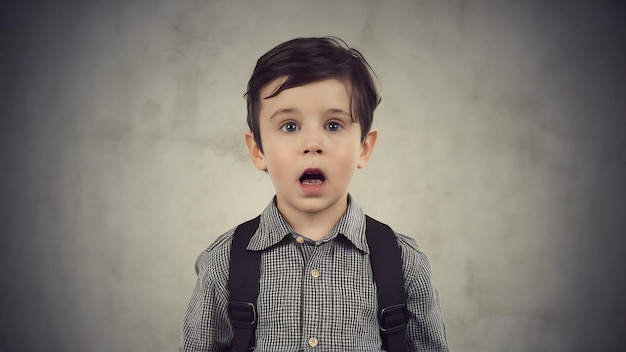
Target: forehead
[(328, 93)]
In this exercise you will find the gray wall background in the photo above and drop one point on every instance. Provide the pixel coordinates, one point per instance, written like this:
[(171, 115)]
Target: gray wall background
[(501, 150)]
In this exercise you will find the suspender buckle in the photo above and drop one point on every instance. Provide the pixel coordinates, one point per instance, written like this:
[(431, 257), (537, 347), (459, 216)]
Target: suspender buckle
[(393, 318), (242, 314)]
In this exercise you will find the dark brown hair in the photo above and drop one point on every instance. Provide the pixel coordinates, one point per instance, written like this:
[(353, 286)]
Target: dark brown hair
[(308, 60)]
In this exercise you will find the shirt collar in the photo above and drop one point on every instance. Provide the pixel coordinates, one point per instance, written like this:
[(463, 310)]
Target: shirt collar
[(273, 228)]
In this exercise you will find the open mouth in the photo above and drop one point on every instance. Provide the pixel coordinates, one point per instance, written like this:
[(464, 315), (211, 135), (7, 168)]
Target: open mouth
[(312, 177)]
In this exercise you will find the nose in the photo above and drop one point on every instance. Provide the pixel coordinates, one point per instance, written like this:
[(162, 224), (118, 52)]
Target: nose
[(314, 150), (313, 143)]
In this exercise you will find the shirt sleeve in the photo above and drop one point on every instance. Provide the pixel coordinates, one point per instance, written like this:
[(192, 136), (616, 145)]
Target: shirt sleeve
[(426, 329), (206, 325)]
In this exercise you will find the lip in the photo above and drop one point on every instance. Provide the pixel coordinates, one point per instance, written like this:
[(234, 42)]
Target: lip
[(313, 170), (313, 189)]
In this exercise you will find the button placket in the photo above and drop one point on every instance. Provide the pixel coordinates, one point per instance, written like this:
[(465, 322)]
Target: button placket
[(311, 289)]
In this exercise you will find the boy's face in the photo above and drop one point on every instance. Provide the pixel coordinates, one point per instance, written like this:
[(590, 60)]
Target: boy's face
[(311, 146)]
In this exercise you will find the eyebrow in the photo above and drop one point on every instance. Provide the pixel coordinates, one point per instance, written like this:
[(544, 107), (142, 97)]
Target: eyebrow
[(339, 111), (292, 111), (282, 112)]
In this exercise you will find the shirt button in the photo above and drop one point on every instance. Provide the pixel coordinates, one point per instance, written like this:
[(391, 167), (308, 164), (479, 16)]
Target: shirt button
[(313, 342), (315, 273), (300, 239)]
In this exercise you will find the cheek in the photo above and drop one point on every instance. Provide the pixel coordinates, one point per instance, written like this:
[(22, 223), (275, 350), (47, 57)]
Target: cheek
[(352, 152), (349, 157), (277, 160)]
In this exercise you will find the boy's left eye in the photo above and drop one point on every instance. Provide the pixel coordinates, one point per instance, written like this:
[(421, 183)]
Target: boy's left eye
[(333, 126)]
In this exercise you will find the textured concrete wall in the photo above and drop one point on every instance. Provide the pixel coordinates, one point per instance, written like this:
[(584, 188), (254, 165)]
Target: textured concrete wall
[(501, 150)]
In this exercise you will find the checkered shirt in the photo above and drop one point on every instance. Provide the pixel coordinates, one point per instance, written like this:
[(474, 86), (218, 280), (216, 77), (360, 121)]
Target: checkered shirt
[(315, 295)]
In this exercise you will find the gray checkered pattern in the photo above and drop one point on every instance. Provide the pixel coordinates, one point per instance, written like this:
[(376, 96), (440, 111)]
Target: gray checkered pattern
[(312, 292)]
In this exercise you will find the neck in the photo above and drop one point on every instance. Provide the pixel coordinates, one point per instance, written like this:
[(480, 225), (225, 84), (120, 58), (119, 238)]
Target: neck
[(314, 225)]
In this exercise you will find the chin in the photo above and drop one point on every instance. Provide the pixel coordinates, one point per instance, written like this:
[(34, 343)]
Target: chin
[(319, 203)]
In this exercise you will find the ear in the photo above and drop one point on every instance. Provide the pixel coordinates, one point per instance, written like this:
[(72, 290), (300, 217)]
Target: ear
[(255, 152), (367, 148)]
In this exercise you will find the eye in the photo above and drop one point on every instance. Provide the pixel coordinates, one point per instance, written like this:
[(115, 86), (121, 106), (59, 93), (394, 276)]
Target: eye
[(333, 126), (290, 127)]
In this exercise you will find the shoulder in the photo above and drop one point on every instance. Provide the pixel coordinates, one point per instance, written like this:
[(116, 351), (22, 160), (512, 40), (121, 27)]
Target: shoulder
[(408, 245), (411, 253), (417, 271), (212, 263), (413, 259), (414, 262)]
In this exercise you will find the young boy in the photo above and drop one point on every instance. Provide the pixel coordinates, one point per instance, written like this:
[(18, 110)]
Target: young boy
[(310, 109)]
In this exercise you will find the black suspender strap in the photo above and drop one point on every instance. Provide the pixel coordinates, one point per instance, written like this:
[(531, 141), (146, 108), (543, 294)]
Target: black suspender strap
[(243, 286), (386, 260)]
